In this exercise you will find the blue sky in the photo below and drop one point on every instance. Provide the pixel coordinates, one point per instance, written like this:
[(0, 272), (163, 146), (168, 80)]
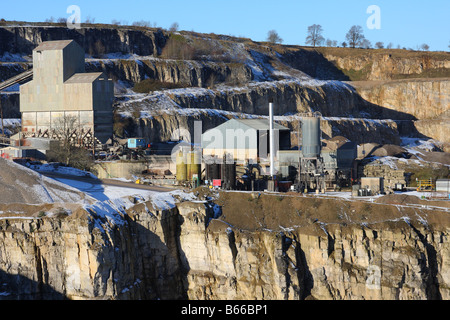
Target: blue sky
[(408, 23)]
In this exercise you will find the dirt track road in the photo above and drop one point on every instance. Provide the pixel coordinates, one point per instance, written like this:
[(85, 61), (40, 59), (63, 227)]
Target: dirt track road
[(108, 182)]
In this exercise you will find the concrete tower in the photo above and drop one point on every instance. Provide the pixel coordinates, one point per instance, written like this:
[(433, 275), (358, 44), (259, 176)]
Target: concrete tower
[(61, 90)]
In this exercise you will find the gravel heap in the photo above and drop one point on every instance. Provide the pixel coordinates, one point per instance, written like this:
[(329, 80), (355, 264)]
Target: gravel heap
[(19, 184)]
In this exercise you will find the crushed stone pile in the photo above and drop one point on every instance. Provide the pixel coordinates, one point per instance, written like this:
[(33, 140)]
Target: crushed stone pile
[(388, 150), (19, 184)]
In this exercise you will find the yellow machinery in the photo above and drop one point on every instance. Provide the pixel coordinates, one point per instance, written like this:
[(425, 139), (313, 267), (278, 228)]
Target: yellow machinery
[(425, 185)]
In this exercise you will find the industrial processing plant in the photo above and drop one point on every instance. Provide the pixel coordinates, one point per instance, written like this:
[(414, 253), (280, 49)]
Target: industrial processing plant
[(64, 102), (245, 154), (62, 92)]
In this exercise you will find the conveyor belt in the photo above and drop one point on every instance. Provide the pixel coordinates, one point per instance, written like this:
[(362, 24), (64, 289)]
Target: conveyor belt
[(22, 77)]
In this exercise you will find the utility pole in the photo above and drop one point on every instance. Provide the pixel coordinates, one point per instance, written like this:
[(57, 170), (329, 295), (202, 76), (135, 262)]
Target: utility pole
[(1, 115)]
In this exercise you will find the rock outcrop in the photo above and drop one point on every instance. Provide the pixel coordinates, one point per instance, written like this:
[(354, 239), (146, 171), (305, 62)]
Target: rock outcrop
[(366, 64), (187, 73), (95, 41), (421, 98), (205, 250)]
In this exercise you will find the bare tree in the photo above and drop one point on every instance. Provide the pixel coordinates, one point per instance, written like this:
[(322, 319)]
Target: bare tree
[(390, 45), (315, 35), (355, 36), (174, 27), (344, 44), (273, 37), (366, 44), (65, 129), (425, 47), (379, 45), (142, 23), (89, 20)]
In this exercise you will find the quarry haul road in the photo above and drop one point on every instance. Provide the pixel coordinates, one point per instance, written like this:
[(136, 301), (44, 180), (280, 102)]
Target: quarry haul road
[(108, 182)]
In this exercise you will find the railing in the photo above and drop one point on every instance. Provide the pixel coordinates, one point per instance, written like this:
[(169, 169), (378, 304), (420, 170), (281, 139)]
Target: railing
[(425, 185)]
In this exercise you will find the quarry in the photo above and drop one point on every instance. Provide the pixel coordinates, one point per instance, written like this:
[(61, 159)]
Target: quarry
[(246, 170)]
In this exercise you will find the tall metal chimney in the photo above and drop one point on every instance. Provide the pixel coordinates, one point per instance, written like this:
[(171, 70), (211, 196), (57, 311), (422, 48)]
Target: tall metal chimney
[(271, 140)]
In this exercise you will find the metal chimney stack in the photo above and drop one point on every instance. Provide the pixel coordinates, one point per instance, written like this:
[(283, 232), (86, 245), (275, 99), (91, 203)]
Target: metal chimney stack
[(271, 140)]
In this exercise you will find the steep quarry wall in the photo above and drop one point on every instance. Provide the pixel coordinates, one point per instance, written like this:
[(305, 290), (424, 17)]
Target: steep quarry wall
[(391, 64), (187, 73), (95, 41), (156, 116), (198, 250), (367, 64), (86, 256), (422, 98), (246, 74)]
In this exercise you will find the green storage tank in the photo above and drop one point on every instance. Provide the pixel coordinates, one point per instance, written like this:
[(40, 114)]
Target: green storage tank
[(181, 167), (194, 165)]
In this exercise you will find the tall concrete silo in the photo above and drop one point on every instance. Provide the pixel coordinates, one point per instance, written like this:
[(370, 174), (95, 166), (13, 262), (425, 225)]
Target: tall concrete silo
[(311, 136), (311, 174)]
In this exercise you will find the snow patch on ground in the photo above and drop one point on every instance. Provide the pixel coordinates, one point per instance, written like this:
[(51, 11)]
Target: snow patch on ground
[(12, 57), (60, 169), (420, 144)]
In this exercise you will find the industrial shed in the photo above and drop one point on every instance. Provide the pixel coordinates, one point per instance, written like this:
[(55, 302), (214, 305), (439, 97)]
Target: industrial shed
[(62, 96), (244, 139), (16, 152), (339, 153)]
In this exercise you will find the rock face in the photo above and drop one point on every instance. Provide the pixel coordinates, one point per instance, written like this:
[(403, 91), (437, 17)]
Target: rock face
[(156, 116), (202, 251), (188, 73), (410, 96), (363, 64), (238, 75), (86, 257), (95, 41)]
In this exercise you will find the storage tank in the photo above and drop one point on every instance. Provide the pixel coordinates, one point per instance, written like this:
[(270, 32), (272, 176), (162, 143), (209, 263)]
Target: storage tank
[(181, 164), (194, 165), (311, 136), (229, 176), (212, 171)]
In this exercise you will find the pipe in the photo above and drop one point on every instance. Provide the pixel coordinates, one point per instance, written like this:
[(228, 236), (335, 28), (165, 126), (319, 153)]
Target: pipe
[(271, 141)]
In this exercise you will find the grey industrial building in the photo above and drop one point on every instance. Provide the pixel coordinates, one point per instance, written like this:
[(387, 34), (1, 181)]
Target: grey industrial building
[(244, 140), (316, 164), (62, 96)]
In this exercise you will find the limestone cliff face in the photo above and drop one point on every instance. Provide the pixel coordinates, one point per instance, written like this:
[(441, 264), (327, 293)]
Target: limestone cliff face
[(90, 257), (422, 98), (246, 74), (95, 41), (439, 129), (188, 73), (365, 64), (390, 64), (397, 259), (198, 250), (156, 116)]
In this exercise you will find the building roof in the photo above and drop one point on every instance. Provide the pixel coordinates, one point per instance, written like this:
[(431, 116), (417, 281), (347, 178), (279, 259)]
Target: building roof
[(53, 45), (261, 124), (84, 77)]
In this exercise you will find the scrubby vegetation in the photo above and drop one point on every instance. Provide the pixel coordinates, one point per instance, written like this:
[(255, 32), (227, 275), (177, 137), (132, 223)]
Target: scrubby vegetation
[(443, 172), (148, 85)]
